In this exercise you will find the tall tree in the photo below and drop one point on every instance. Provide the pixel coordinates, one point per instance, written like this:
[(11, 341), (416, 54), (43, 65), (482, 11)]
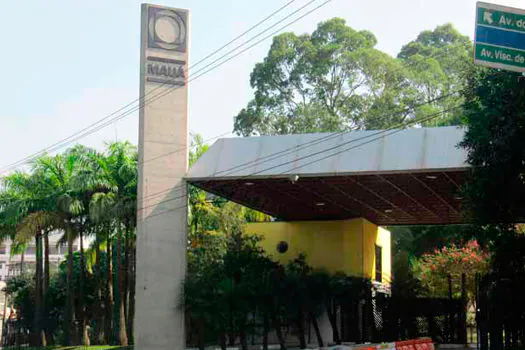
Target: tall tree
[(327, 81), (495, 113), (32, 211), (494, 142), (59, 177), (438, 63), (117, 205)]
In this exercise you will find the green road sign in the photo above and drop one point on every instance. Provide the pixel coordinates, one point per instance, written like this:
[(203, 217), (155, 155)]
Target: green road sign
[(500, 37)]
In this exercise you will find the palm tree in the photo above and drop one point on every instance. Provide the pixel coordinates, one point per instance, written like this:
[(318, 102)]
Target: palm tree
[(117, 204), (33, 221), (59, 176), (56, 197)]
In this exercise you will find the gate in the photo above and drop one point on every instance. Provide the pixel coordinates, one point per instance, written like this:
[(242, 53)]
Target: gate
[(501, 312), (387, 319)]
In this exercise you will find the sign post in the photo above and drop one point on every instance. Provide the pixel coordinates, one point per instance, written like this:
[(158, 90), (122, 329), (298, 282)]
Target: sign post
[(163, 163), (500, 37)]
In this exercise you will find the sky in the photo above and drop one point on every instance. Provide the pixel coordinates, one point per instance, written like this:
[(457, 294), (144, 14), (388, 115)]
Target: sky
[(67, 64)]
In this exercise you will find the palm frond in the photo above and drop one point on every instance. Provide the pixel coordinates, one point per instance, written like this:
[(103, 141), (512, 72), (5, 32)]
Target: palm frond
[(91, 255), (101, 206), (34, 223), (18, 248)]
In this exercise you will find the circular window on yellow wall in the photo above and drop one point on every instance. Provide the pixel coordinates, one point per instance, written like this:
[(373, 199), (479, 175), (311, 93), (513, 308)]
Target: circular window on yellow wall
[(282, 247)]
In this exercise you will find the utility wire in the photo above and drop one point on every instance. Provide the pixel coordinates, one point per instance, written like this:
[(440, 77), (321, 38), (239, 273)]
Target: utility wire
[(261, 160), (216, 66), (273, 156), (379, 135), (162, 94), (317, 141), (67, 139), (283, 173), (326, 138), (334, 135), (25, 160)]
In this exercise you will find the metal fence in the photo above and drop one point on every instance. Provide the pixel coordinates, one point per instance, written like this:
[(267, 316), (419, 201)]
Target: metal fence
[(442, 319), (501, 313), (370, 319)]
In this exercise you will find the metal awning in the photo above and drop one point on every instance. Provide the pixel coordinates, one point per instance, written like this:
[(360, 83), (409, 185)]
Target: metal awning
[(390, 177)]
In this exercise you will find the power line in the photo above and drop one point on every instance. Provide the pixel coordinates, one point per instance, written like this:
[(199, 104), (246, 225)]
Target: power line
[(337, 134), (408, 109), (323, 139), (283, 173), (205, 142), (163, 94), (404, 125), (328, 137), (243, 33), (396, 129), (332, 135), (382, 134), (62, 143), (216, 66), (242, 52), (275, 155)]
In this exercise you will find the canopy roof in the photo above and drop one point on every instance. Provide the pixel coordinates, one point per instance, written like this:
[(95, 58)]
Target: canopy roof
[(390, 177)]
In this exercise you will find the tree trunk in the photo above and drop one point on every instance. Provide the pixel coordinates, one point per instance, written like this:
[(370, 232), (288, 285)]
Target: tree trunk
[(82, 297), (125, 290), (277, 326), (131, 303), (300, 328), (22, 258), (201, 338), (46, 263), (46, 286), (70, 317), (109, 294), (317, 330), (266, 329), (123, 336), (333, 323), (243, 339), (222, 340), (39, 312), (98, 331)]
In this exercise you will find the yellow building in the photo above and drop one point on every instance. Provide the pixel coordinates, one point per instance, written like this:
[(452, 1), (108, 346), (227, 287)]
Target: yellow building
[(356, 247)]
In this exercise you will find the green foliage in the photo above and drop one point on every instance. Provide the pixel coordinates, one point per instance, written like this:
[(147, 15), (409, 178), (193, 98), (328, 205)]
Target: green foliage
[(452, 261), (335, 79), (22, 295), (418, 240), (208, 213), (409, 243), (233, 289), (79, 192), (495, 113), (439, 63), (404, 283), (22, 291), (494, 142)]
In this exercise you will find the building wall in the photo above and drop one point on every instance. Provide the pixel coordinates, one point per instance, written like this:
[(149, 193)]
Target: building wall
[(337, 246), (11, 265), (375, 235)]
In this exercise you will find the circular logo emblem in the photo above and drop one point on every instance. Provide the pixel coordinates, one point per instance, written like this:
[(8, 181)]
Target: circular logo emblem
[(167, 29)]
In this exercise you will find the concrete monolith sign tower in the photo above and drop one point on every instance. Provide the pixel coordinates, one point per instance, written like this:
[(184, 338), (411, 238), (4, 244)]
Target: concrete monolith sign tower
[(163, 162)]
